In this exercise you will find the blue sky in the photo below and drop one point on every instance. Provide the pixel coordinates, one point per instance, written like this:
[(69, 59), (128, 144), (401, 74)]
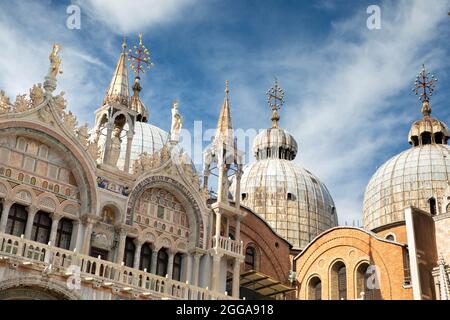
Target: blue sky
[(348, 88)]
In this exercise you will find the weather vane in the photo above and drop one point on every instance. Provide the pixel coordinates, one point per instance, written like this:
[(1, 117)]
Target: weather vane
[(275, 99), (139, 58), (424, 85)]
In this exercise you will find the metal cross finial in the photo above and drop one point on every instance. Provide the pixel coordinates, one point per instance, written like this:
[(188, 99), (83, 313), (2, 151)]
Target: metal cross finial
[(140, 58), (275, 99), (424, 85), (275, 96), (227, 89)]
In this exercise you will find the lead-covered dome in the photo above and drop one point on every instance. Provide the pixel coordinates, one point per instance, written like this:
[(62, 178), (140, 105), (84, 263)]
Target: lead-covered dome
[(416, 177), (292, 200)]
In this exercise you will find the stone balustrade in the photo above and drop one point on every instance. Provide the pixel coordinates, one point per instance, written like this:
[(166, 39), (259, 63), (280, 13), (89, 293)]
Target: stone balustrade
[(64, 262), (228, 244)]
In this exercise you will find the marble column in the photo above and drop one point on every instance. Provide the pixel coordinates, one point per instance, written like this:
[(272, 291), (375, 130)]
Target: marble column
[(187, 268), (87, 237), (170, 264), (154, 261), (195, 272), (236, 278), (32, 210), (55, 222), (121, 247), (128, 152), (76, 236), (137, 254), (107, 150), (7, 204), (216, 272)]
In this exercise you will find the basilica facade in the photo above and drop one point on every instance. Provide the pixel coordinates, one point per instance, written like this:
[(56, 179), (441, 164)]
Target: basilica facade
[(119, 211)]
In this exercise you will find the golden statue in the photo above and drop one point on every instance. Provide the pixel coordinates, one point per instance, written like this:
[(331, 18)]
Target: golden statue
[(55, 61)]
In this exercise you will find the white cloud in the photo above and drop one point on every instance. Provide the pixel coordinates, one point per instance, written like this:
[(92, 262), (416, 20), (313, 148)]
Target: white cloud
[(134, 16)]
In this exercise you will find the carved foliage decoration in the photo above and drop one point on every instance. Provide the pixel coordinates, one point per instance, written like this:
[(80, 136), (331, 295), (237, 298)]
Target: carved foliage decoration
[(23, 102)]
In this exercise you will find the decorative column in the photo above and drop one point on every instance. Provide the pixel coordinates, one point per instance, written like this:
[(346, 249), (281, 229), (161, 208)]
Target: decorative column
[(216, 272), (55, 222), (170, 264), (7, 204), (107, 151), (236, 278), (154, 260), (32, 210), (187, 268), (137, 254), (87, 236), (121, 248), (195, 272), (218, 223), (75, 241), (126, 166)]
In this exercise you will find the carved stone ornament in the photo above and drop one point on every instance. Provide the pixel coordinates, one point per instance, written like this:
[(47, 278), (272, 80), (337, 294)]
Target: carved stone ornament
[(5, 104), (37, 95)]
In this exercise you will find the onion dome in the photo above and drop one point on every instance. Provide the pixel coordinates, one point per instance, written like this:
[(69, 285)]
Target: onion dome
[(293, 201), (276, 143), (416, 177)]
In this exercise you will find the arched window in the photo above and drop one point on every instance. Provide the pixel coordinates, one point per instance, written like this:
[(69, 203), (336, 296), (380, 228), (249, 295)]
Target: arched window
[(64, 233), (426, 138), (390, 237), (163, 258), (338, 281), (17, 220), (177, 263), (432, 202), (42, 225), (128, 257), (146, 257), (249, 263), (315, 289), (366, 287)]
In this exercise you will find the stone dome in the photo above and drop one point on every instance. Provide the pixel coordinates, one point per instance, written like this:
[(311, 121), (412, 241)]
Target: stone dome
[(274, 141), (410, 178), (291, 199), (147, 138)]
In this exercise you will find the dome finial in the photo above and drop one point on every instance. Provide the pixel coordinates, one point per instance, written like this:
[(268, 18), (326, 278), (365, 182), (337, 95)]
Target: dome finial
[(275, 99), (124, 44), (424, 87)]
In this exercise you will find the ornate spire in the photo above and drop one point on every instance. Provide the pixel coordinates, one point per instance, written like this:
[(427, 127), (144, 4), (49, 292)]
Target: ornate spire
[(424, 87), (224, 131), (118, 90), (275, 99)]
